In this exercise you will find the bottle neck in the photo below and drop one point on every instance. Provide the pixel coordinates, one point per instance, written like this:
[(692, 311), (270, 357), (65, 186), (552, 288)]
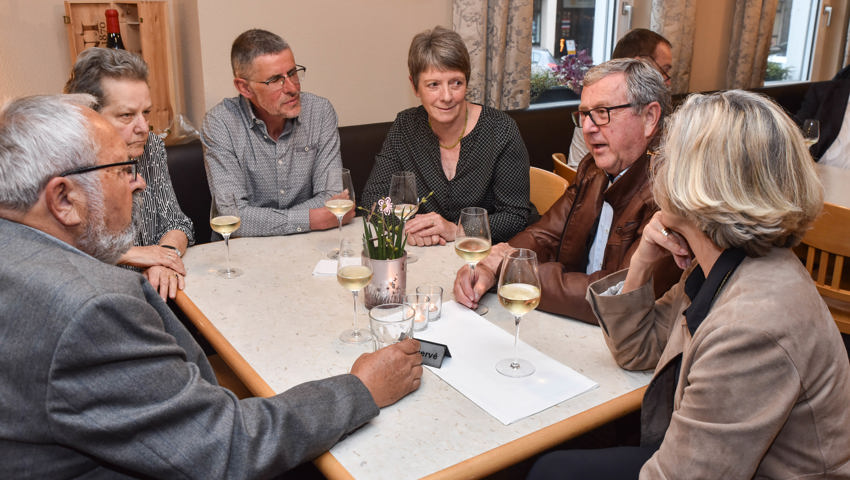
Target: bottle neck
[(112, 21)]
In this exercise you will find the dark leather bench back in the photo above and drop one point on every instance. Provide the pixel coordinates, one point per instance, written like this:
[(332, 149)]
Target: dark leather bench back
[(186, 166), (358, 145)]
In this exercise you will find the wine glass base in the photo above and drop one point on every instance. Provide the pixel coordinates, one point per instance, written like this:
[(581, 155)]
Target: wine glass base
[(514, 367), (333, 254), (355, 336), (481, 310), (229, 273)]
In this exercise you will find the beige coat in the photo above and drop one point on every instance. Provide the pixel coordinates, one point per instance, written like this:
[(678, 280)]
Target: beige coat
[(764, 385)]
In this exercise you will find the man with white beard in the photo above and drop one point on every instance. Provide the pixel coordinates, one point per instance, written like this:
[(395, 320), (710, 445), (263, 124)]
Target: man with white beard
[(98, 379)]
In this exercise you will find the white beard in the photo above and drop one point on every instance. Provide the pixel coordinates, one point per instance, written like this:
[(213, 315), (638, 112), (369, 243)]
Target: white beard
[(97, 241)]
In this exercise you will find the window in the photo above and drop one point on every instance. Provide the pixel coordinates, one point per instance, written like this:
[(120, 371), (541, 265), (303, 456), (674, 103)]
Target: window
[(562, 27), (792, 42)]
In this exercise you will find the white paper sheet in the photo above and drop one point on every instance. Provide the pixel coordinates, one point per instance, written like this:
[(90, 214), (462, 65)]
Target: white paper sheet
[(325, 268), (476, 345)]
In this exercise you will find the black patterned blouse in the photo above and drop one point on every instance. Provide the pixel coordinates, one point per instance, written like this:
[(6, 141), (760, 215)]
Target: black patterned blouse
[(492, 171)]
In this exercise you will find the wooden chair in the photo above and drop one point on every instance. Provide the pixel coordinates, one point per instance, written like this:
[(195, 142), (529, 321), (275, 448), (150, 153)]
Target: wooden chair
[(827, 245), (546, 188), (561, 168)]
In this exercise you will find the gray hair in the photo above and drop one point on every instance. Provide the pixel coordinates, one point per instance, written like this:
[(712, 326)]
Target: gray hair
[(41, 137), (439, 48), (94, 64), (644, 84), (252, 44)]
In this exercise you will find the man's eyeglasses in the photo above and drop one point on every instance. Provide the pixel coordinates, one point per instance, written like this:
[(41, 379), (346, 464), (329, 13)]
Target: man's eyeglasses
[(295, 76), (132, 169), (663, 72), (599, 115)]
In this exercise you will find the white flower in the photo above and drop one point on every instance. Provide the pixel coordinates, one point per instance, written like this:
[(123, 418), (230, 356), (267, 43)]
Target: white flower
[(385, 205)]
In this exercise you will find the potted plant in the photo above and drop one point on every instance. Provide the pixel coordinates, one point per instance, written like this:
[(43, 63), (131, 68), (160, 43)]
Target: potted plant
[(383, 248)]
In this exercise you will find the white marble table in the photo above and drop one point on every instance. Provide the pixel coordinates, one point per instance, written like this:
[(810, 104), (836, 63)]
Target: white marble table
[(277, 326)]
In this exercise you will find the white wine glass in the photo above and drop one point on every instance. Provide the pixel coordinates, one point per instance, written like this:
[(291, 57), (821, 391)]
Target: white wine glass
[(224, 220), (472, 240), (339, 180), (811, 131), (519, 293), (353, 276), (405, 199)]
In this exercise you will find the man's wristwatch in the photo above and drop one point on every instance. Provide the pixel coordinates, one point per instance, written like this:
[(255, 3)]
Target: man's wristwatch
[(172, 247)]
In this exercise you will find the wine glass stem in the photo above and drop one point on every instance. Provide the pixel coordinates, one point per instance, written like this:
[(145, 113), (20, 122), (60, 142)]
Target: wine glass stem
[(354, 320), (472, 273), (515, 362), (227, 250)]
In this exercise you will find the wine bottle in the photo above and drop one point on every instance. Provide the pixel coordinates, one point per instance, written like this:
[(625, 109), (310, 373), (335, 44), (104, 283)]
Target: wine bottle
[(113, 33)]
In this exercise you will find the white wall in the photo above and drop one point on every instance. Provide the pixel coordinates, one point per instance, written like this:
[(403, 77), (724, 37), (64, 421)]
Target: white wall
[(355, 51), (34, 53)]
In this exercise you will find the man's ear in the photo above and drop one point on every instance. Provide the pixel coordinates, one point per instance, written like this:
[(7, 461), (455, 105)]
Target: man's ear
[(65, 201), (242, 87), (651, 117)]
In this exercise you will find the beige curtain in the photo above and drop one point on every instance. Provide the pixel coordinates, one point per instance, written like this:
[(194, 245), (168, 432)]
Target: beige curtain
[(676, 21), (752, 27), (498, 36)]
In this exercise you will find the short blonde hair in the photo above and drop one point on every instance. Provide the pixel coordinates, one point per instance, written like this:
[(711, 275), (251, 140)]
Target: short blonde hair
[(736, 165)]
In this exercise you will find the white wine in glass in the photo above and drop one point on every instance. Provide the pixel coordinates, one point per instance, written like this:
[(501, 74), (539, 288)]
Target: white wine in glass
[(224, 220), (472, 240), (519, 293), (811, 131), (353, 276), (339, 181), (405, 199)]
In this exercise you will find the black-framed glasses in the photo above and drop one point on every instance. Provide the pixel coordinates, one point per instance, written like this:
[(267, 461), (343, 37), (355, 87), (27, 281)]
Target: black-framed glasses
[(296, 75), (132, 169), (599, 115), (663, 72)]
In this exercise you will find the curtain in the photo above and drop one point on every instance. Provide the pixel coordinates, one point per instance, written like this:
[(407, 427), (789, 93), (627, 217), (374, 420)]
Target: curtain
[(498, 36), (752, 27), (675, 20)]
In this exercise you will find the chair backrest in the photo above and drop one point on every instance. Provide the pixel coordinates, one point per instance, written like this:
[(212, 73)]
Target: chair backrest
[(546, 188), (559, 160), (827, 246)]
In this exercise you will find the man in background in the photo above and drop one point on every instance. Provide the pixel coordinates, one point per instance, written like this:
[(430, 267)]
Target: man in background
[(270, 148), (637, 43), (828, 103)]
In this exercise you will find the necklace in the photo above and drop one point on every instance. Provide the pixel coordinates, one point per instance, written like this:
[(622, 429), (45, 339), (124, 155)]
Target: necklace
[(449, 147)]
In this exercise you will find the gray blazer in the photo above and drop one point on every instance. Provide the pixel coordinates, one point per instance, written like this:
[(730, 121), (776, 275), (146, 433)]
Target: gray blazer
[(98, 379)]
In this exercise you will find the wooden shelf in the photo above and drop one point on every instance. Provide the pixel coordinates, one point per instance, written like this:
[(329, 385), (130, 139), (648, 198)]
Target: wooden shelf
[(144, 29)]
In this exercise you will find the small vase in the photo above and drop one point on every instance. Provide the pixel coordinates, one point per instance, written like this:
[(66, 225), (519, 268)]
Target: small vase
[(389, 278)]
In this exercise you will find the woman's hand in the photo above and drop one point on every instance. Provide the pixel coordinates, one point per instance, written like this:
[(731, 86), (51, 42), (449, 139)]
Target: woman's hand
[(165, 280), (429, 229), (153, 255), (657, 241)]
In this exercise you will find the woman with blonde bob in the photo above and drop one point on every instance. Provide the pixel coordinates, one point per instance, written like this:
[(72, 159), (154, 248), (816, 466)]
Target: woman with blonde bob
[(751, 376)]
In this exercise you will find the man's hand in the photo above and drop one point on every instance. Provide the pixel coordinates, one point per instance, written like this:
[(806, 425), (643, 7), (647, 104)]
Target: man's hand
[(429, 229), (165, 280), (468, 292), (322, 219), (391, 372)]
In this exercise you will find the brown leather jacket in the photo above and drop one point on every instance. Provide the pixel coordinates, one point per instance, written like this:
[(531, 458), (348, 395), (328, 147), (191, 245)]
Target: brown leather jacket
[(562, 237)]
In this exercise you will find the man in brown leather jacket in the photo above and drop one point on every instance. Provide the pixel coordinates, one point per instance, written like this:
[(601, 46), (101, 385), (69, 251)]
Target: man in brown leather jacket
[(594, 228)]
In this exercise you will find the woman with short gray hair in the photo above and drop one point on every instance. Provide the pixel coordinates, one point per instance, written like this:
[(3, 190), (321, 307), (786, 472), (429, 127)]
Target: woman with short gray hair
[(466, 154), (118, 80)]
